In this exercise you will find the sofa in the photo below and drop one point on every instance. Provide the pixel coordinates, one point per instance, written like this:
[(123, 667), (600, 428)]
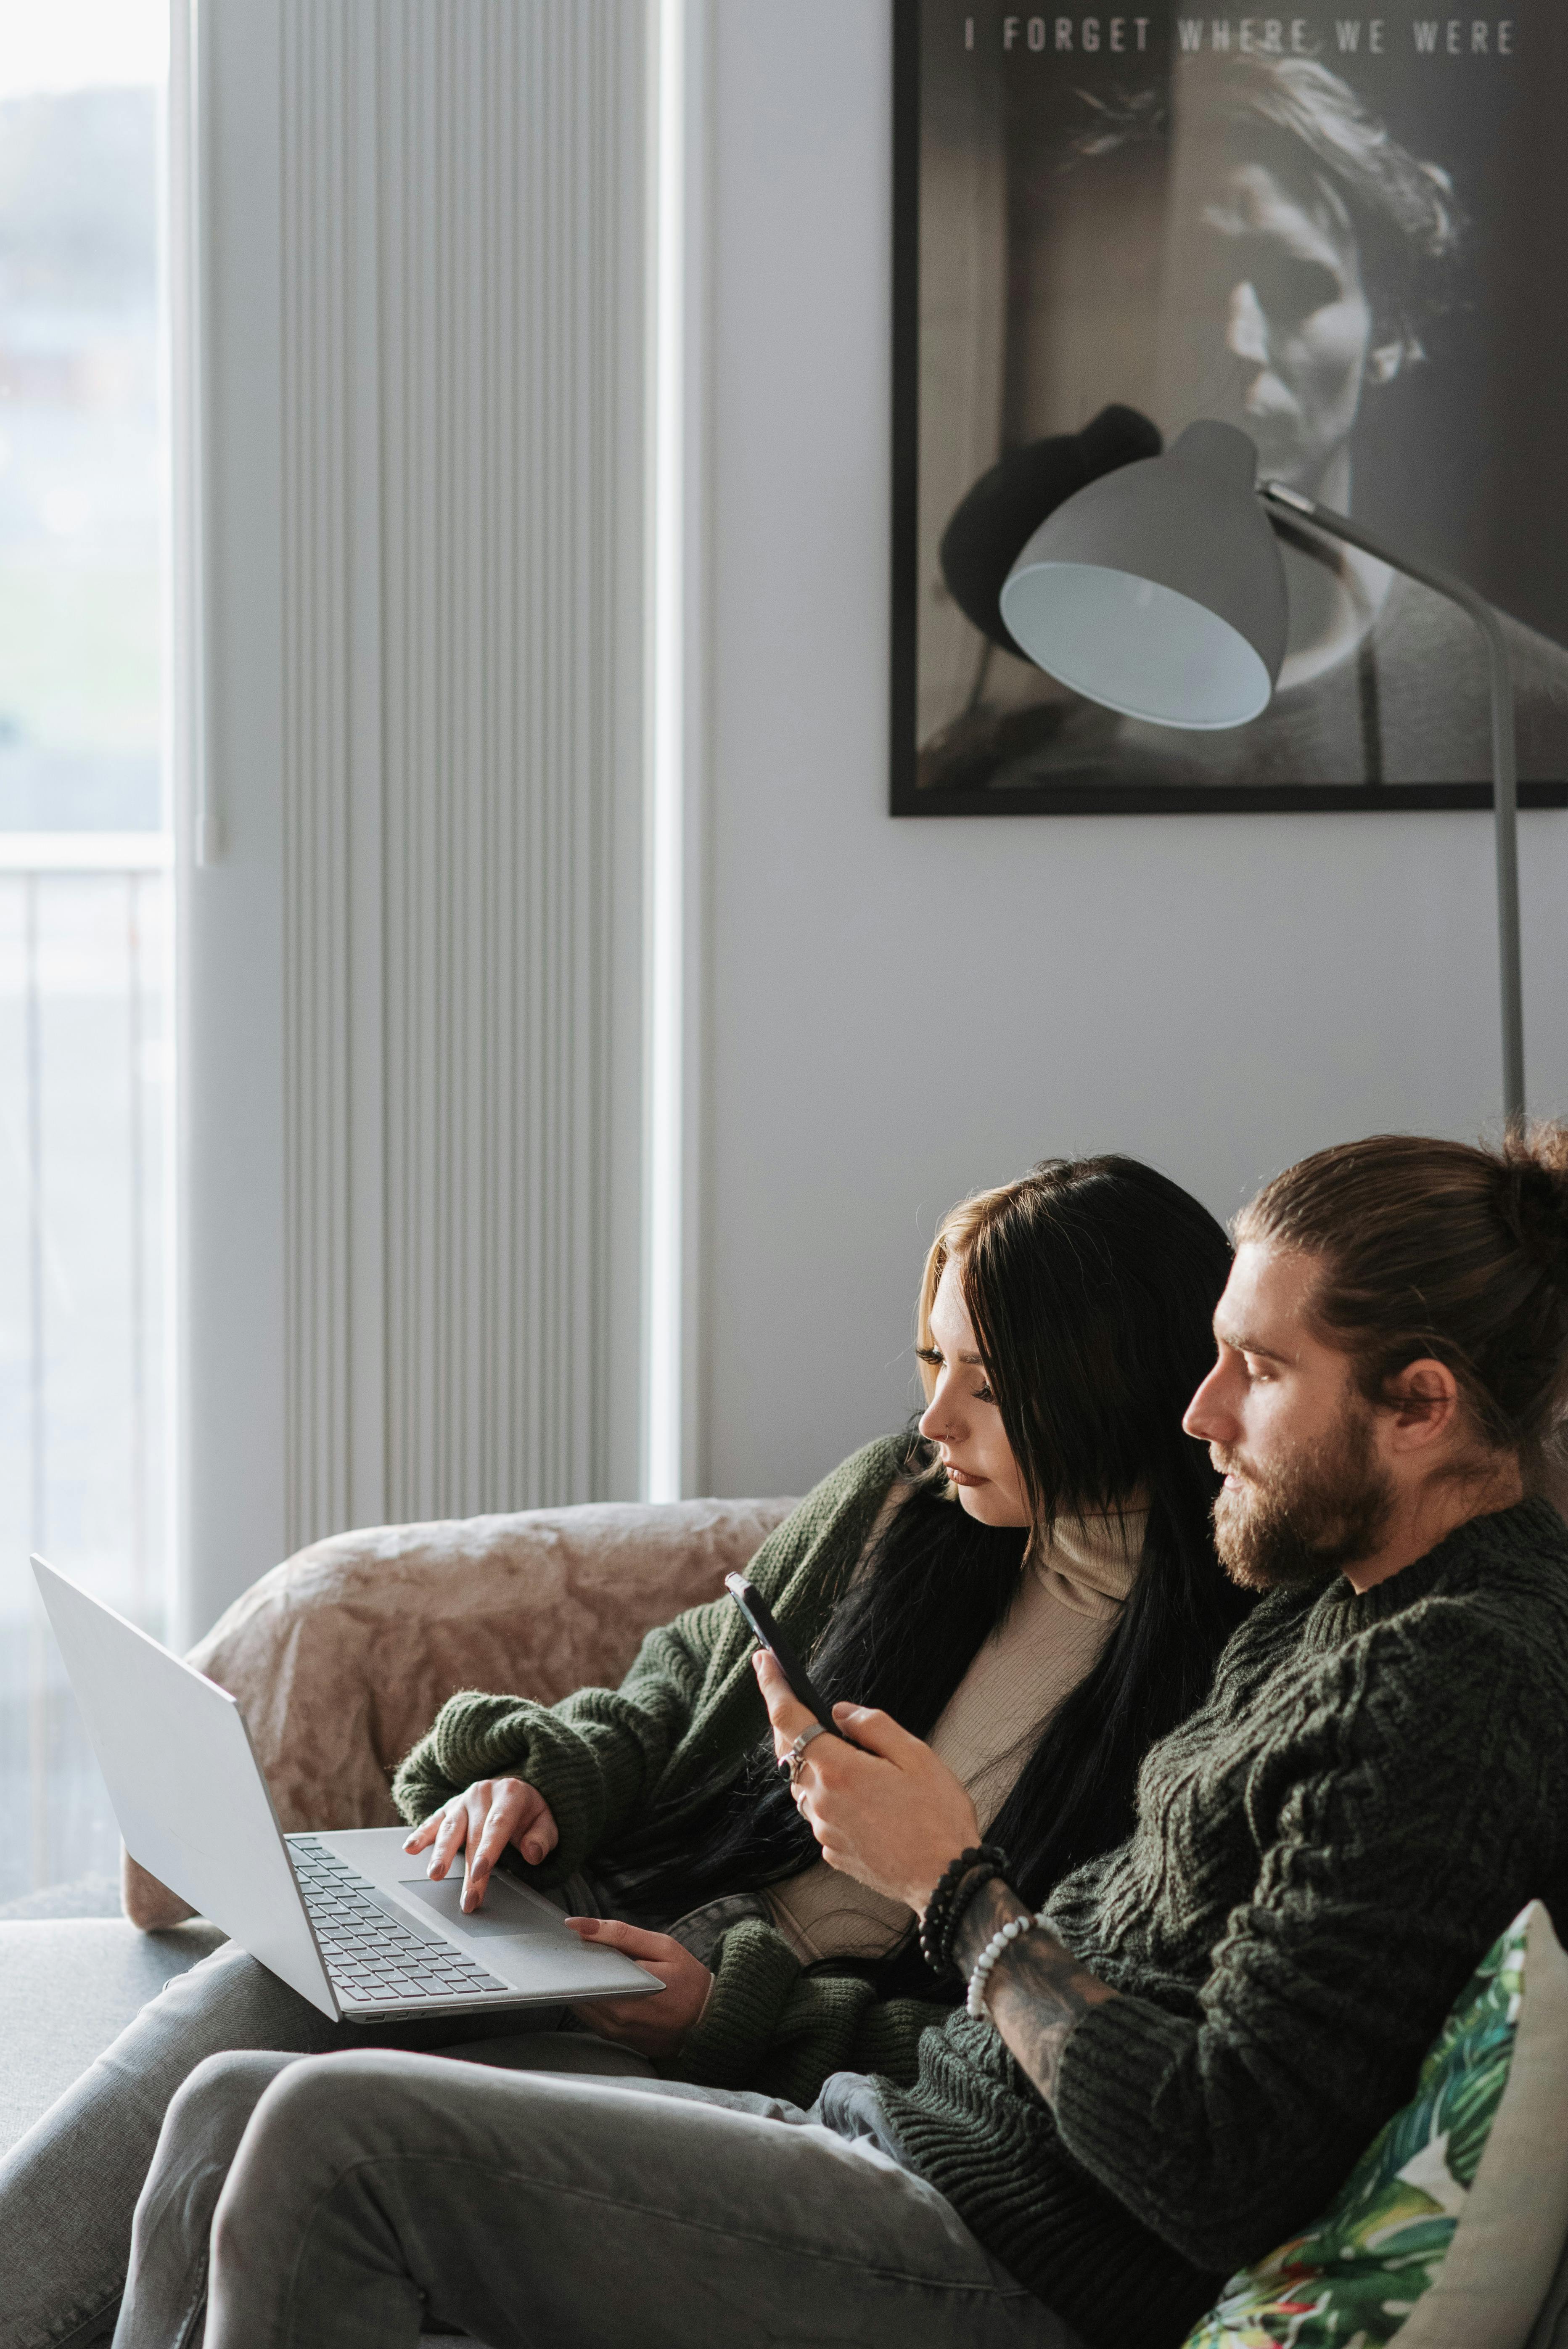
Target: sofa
[(339, 1658)]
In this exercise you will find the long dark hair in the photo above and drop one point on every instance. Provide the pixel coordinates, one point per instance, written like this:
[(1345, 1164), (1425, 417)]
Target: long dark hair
[(1090, 1283)]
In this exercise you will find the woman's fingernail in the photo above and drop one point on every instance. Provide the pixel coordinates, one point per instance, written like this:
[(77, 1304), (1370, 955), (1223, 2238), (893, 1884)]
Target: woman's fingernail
[(531, 1853)]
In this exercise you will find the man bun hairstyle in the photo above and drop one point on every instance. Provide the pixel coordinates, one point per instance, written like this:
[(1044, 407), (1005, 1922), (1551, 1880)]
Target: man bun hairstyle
[(1534, 1199), (1441, 1249)]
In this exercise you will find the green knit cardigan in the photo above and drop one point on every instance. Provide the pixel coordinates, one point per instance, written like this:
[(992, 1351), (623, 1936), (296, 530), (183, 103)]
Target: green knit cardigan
[(683, 1719)]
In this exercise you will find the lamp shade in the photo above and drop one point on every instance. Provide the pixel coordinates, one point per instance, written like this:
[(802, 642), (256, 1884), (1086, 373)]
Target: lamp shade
[(1159, 590)]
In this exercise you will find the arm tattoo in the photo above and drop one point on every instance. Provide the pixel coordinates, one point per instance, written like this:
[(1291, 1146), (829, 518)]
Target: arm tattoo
[(1038, 1992)]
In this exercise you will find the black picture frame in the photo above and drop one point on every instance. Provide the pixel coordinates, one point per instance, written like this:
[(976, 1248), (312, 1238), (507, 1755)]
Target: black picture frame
[(1107, 795)]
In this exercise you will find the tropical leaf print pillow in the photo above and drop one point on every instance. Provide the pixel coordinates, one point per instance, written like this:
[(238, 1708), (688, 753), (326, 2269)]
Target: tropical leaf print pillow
[(1448, 2229)]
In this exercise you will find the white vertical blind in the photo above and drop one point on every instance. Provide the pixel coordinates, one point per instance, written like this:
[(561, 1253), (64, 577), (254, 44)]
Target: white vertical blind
[(443, 846)]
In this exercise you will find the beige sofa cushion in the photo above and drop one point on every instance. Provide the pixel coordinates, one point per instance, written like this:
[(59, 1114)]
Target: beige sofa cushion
[(341, 1657)]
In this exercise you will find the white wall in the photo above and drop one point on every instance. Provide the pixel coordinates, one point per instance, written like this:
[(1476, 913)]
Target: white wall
[(898, 1012)]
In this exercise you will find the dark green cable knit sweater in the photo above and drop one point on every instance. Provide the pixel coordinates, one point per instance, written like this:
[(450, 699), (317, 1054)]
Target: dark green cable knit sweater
[(1376, 1785)]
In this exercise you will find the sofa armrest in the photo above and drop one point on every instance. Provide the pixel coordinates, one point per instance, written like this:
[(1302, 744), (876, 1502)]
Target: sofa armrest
[(341, 1657)]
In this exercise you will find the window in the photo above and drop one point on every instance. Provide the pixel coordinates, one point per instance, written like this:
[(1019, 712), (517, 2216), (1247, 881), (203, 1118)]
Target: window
[(86, 1079)]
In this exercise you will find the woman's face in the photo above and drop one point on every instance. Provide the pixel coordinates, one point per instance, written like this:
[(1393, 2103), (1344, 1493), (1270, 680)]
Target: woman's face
[(962, 1418)]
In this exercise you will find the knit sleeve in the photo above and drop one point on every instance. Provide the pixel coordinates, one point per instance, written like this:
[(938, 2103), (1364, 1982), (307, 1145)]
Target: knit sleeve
[(594, 1756), (689, 1704), (769, 2026), (1393, 1826)]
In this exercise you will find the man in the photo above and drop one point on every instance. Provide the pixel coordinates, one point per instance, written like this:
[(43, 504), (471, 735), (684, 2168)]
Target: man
[(1312, 257), (1221, 2015), (1308, 257), (1208, 2025)]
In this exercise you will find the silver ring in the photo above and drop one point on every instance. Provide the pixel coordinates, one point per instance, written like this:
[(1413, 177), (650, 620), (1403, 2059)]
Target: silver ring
[(796, 1754)]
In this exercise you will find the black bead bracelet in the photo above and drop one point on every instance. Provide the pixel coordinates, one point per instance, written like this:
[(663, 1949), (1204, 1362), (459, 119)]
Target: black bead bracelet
[(951, 1898)]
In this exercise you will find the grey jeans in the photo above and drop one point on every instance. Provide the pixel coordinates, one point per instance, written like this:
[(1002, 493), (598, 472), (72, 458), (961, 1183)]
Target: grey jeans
[(351, 2200), (69, 2188)]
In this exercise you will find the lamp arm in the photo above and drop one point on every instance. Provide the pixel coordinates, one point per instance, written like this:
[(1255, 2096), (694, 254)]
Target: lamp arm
[(1504, 761)]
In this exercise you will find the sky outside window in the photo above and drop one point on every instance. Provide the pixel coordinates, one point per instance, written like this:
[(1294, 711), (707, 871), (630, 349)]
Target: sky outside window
[(82, 478)]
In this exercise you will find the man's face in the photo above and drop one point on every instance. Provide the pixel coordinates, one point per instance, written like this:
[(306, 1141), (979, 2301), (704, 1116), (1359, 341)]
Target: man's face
[(1305, 1494), (1274, 329)]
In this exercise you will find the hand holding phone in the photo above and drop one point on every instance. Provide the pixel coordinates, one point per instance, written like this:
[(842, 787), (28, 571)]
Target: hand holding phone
[(759, 1620)]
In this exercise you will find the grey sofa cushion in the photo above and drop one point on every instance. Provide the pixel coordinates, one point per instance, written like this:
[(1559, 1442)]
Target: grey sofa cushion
[(71, 1985)]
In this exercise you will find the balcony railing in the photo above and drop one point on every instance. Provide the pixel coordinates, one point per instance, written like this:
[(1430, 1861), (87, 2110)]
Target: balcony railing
[(84, 1324)]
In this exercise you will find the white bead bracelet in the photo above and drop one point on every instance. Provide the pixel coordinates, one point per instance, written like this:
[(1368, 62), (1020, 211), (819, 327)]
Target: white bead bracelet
[(987, 1959)]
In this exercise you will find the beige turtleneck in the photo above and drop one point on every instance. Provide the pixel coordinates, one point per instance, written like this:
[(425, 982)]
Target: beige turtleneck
[(1072, 1595)]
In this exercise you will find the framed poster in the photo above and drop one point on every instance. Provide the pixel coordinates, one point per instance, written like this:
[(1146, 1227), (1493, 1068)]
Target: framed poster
[(1341, 233)]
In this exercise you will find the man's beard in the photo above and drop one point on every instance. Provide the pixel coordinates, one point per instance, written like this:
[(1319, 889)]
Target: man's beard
[(1326, 1508)]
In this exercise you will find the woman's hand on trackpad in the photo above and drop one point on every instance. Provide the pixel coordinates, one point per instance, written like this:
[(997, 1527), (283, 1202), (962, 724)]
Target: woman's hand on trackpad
[(481, 1823), (652, 2026)]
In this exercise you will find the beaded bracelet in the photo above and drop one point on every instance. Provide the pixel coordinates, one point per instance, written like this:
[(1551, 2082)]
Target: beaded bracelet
[(959, 1903), (946, 1884), (987, 1957), (945, 1908)]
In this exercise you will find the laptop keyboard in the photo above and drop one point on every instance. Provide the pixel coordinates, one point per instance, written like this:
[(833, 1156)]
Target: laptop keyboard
[(369, 1956)]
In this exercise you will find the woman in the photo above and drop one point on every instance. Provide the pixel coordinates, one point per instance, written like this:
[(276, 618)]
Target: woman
[(1040, 1634), (1032, 1586)]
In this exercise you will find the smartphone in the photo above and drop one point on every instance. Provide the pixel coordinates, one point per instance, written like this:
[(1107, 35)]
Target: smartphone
[(759, 1617)]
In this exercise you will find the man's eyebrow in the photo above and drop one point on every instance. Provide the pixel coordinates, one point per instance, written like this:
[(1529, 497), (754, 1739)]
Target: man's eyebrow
[(1240, 1344)]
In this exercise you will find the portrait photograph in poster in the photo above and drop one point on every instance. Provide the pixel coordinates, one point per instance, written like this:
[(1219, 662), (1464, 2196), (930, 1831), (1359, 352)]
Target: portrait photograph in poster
[(1341, 233)]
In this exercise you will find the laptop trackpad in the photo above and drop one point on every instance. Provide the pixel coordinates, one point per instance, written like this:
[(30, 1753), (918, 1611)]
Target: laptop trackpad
[(502, 1912)]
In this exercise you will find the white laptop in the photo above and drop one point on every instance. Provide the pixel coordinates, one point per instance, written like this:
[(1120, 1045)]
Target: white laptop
[(349, 1919)]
